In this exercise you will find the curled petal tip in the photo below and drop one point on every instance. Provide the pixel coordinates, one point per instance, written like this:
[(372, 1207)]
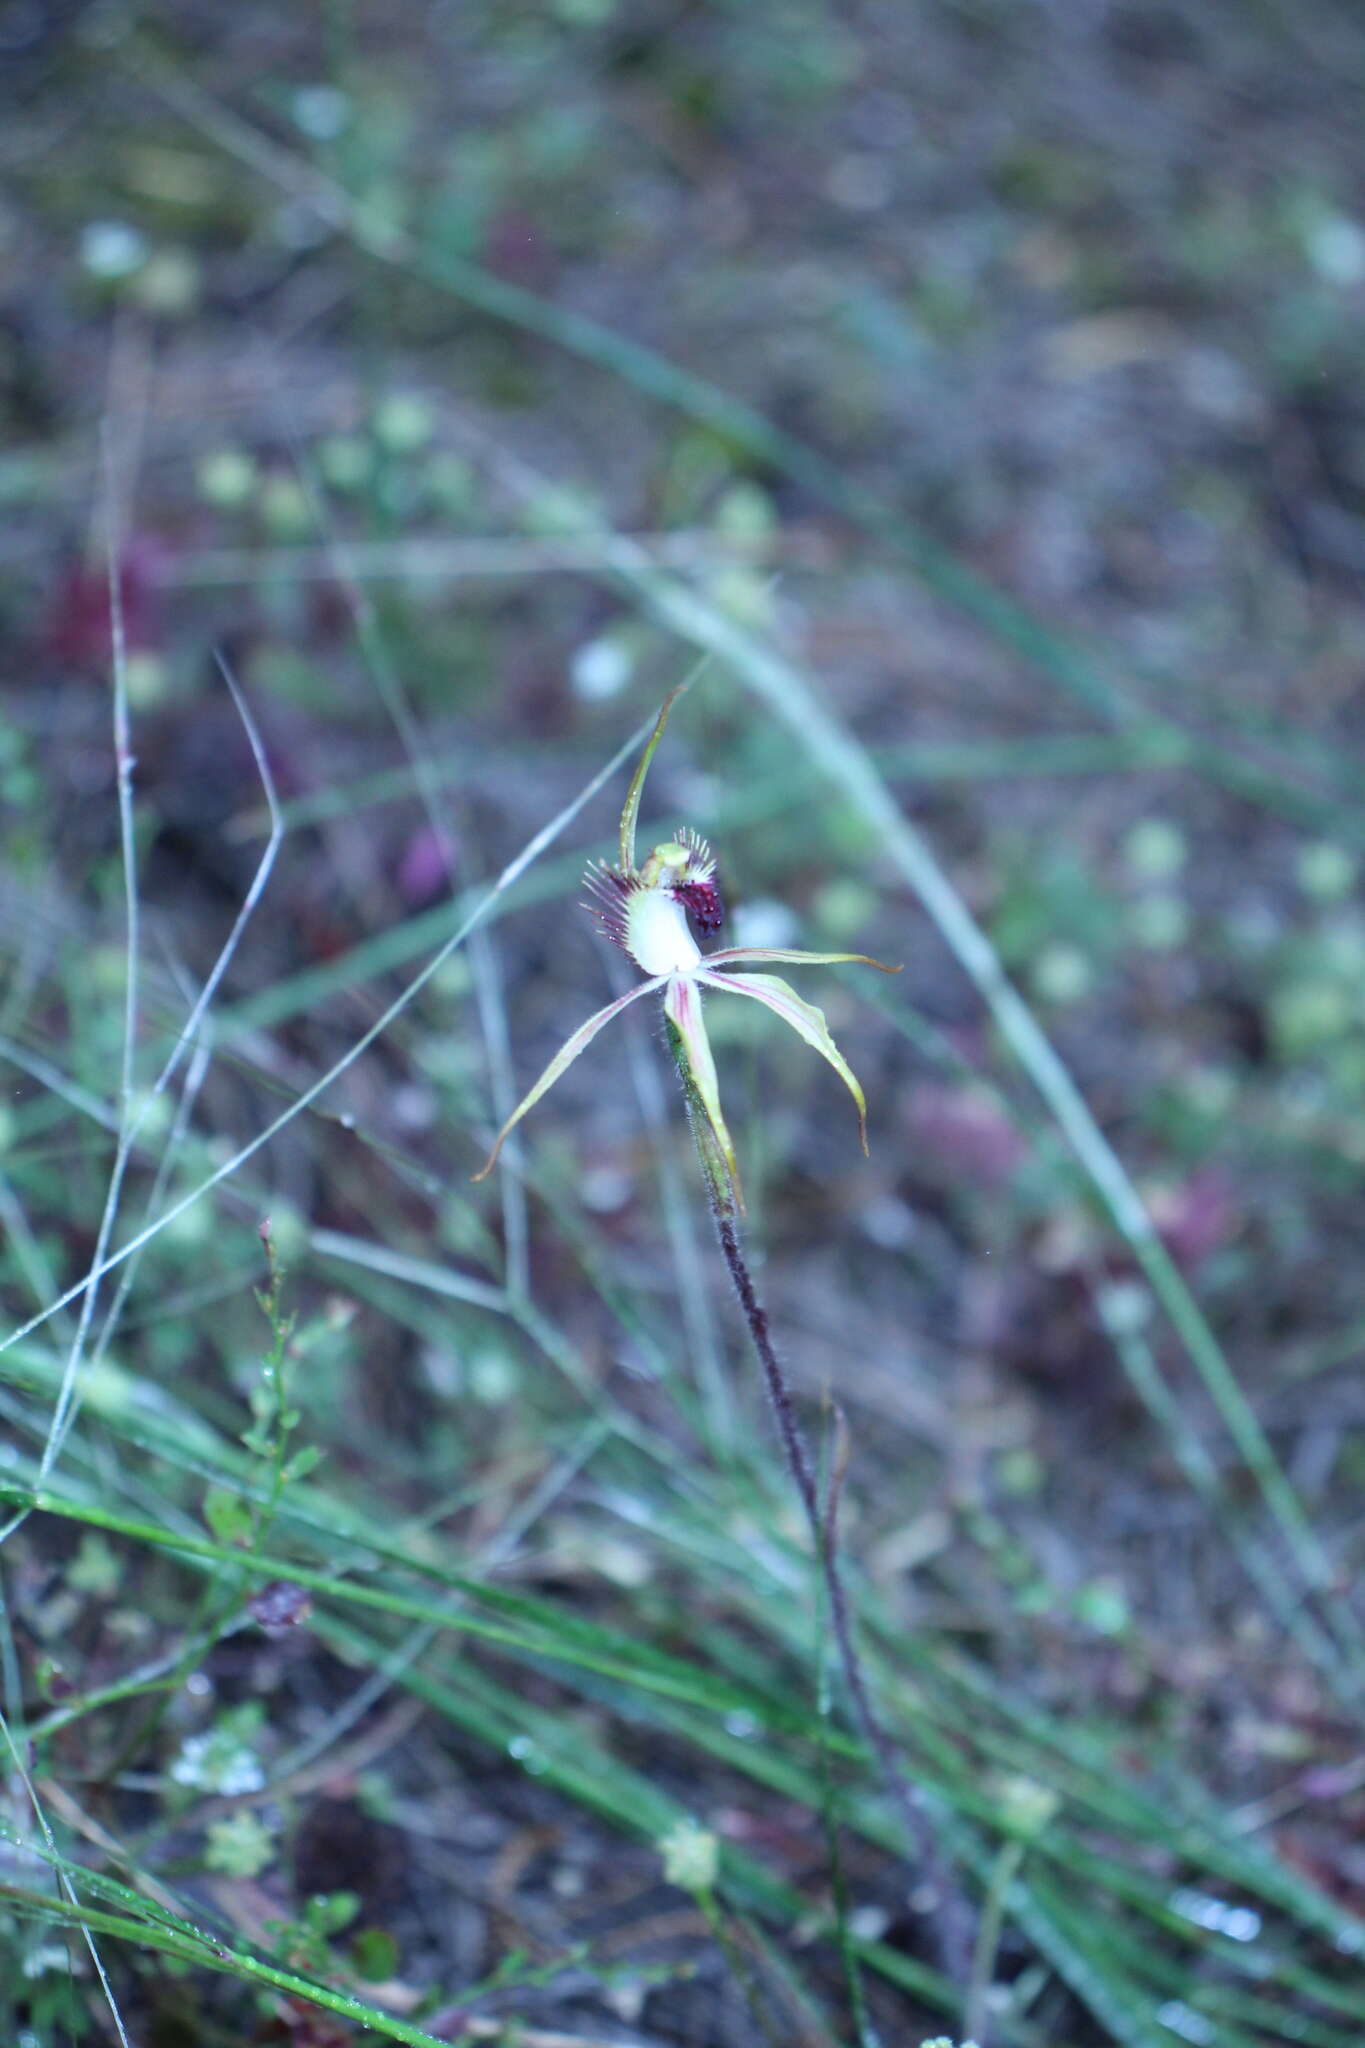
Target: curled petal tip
[(491, 1160)]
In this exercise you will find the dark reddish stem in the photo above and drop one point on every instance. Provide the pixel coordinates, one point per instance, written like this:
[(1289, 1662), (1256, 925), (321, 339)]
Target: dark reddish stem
[(953, 1925)]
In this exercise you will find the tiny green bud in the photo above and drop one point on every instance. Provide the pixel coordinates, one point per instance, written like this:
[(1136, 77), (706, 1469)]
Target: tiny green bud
[(1027, 1807), (144, 678), (1061, 973), (1160, 922), (288, 1232), (345, 461), (285, 507), (1305, 1015), (226, 478), (403, 423), (239, 1846), (691, 1856), (745, 512), (169, 284), (1326, 871), (1155, 850), (1103, 1607), (1126, 1306)]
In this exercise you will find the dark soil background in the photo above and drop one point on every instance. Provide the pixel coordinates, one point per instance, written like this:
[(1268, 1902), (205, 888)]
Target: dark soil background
[(1056, 316)]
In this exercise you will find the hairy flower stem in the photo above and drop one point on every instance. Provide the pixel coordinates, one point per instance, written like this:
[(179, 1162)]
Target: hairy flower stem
[(953, 1931)]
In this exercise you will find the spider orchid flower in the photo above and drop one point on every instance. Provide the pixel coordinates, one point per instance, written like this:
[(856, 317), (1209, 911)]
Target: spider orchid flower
[(645, 910)]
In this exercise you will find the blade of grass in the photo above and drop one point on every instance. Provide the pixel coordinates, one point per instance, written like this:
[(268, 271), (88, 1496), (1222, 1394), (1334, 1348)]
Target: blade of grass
[(557, 1638), (88, 1291), (190, 1945), (71, 1899), (1115, 1805), (572, 1763)]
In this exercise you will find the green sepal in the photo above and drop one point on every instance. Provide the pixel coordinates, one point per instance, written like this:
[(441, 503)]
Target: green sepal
[(631, 810), (682, 1007), (808, 1023)]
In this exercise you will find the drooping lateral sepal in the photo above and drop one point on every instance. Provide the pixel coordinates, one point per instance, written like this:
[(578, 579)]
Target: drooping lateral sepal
[(804, 1018), (563, 1059), (682, 1007)]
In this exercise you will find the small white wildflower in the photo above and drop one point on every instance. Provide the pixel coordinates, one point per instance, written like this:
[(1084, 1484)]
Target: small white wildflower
[(112, 249), (601, 669), (218, 1761)]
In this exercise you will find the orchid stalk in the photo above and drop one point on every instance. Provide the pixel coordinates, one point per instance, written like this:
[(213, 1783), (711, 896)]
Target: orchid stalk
[(655, 910)]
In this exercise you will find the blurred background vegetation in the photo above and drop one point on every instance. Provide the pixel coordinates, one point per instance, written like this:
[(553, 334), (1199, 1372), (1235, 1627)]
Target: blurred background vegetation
[(407, 1629)]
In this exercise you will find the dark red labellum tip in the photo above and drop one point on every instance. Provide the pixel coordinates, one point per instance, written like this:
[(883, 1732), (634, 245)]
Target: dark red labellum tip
[(703, 900)]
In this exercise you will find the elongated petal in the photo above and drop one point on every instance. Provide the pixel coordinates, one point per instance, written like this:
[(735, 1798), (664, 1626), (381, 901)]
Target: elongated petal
[(733, 956), (808, 1023), (682, 1007), (565, 1057), (631, 810)]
